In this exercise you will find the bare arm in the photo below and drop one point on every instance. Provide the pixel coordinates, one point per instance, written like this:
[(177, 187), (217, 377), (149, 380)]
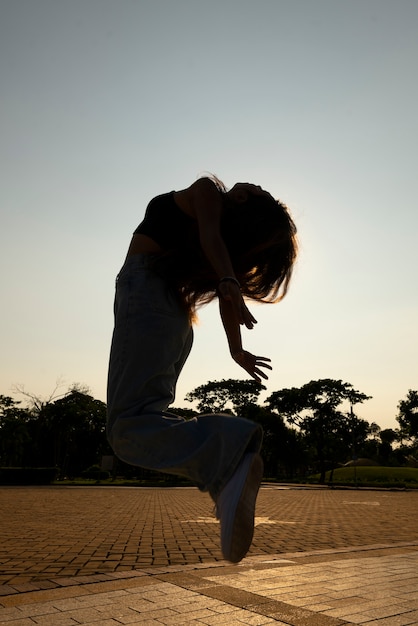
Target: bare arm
[(206, 204), (246, 360)]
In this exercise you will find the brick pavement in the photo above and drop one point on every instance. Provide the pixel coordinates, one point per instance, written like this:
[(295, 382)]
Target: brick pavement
[(114, 556)]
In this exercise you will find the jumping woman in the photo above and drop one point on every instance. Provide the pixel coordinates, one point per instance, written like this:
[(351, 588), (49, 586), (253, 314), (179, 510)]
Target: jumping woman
[(194, 246)]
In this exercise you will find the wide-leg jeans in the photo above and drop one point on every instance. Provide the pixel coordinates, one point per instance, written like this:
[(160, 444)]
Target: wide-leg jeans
[(152, 339)]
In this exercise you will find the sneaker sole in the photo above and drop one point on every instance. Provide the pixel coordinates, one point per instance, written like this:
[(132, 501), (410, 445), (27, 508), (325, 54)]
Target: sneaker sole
[(242, 531)]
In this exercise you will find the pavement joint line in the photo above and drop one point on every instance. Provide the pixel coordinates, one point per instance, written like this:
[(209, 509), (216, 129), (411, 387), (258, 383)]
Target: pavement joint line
[(255, 603), (249, 601)]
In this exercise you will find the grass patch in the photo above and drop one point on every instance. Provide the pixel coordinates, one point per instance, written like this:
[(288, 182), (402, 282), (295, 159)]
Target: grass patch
[(123, 482), (384, 477), (389, 477)]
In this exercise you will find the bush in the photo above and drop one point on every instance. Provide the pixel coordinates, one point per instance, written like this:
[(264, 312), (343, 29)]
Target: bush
[(380, 476), (96, 473), (27, 475)]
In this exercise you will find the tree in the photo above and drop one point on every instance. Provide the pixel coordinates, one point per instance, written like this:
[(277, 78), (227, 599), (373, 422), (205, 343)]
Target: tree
[(408, 415), (408, 429), (183, 412), (283, 450), (35, 402), (14, 434), (73, 432), (313, 408), (281, 445), (67, 431), (214, 396), (385, 450)]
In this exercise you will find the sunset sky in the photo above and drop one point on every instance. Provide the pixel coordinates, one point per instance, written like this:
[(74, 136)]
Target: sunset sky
[(106, 103)]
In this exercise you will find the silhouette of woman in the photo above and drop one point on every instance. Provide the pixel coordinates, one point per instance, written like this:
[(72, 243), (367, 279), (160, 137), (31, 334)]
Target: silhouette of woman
[(193, 246)]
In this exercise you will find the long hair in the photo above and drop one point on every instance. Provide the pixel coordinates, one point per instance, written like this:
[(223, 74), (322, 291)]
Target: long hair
[(260, 236)]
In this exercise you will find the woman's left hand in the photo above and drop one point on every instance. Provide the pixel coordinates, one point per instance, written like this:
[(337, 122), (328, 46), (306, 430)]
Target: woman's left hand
[(252, 364)]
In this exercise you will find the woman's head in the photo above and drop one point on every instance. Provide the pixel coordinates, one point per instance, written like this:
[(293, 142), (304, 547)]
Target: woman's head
[(261, 239), (240, 191)]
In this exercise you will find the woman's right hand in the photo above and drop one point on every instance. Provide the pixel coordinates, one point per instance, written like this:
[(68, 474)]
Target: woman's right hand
[(252, 364)]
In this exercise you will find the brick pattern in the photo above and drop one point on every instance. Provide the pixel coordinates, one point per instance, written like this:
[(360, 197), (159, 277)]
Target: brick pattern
[(350, 587), (53, 532), (112, 556), (380, 590)]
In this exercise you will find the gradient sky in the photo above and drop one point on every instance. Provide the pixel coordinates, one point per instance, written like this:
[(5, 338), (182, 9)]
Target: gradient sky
[(106, 103)]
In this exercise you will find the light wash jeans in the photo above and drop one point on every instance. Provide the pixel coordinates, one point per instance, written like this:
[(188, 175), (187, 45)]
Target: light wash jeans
[(152, 339)]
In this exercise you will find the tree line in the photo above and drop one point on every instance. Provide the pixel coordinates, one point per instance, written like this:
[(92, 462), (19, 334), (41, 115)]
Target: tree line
[(307, 430)]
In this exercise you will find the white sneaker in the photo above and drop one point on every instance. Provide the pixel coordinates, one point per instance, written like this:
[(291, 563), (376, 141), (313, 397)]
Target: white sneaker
[(236, 505)]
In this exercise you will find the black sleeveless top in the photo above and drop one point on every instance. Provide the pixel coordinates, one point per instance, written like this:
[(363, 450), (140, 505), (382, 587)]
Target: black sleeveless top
[(167, 224)]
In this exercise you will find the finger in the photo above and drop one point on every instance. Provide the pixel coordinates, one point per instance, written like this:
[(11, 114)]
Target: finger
[(246, 320), (257, 377), (265, 365), (243, 320), (248, 314), (261, 373), (249, 321)]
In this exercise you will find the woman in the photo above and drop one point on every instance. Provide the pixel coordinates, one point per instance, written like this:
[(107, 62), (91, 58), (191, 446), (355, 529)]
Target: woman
[(194, 245)]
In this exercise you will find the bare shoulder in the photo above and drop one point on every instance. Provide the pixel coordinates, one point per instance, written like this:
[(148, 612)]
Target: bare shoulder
[(204, 185), (200, 195)]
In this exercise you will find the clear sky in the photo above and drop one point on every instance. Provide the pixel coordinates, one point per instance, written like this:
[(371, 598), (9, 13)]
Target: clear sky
[(106, 103)]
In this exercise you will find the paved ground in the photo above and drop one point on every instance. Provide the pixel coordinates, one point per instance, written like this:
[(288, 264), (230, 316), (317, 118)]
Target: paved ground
[(110, 556)]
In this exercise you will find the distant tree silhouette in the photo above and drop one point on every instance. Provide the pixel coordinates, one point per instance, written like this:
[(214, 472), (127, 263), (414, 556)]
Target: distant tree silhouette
[(301, 425), (14, 435), (67, 432), (408, 429), (214, 396), (282, 448), (73, 432), (408, 415), (314, 409)]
